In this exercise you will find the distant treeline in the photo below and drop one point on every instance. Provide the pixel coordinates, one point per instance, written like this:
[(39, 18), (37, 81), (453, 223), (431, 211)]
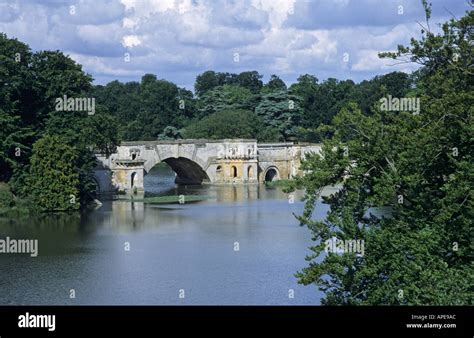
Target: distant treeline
[(227, 105)]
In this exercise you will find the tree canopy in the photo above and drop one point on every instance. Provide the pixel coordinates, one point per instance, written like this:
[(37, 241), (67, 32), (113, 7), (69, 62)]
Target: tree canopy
[(33, 132), (406, 186)]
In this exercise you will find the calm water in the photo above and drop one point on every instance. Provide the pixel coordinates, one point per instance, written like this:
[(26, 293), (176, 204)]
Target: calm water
[(188, 247)]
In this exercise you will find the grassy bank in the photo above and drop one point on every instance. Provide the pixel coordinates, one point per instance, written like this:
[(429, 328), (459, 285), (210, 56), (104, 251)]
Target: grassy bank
[(278, 183)]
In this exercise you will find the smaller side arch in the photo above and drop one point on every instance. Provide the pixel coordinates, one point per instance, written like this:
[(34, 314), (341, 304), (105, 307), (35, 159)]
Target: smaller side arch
[(233, 172), (133, 179), (250, 172), (271, 174)]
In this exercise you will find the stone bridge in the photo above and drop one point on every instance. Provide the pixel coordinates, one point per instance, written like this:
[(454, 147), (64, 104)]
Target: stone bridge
[(234, 161)]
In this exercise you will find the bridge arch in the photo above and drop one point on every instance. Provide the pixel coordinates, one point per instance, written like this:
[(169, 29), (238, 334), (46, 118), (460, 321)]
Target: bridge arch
[(271, 174), (250, 173), (187, 171), (233, 171), (133, 179)]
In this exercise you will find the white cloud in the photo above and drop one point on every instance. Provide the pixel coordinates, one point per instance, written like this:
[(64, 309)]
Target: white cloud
[(278, 10), (131, 41), (105, 66), (182, 38), (368, 60)]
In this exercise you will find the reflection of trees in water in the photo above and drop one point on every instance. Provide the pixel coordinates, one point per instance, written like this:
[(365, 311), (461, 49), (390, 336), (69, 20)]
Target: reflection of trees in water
[(82, 223), (65, 222), (57, 233)]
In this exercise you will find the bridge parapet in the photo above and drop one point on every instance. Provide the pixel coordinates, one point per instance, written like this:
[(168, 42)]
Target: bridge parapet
[(238, 150)]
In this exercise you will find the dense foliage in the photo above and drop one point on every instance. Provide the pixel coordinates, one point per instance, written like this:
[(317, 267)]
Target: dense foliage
[(158, 109), (222, 125), (33, 133), (53, 176), (407, 185)]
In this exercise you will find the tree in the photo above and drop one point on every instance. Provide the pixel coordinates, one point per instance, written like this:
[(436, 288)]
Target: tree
[(187, 107), (15, 91), (133, 131), (221, 98), (143, 109), (368, 92), (209, 80), (418, 168), (274, 84), (101, 133), (170, 133), (320, 102), (86, 134), (121, 100), (54, 178), (54, 75), (29, 85), (162, 104), (7, 199), (250, 80), (226, 124), (13, 143), (281, 111)]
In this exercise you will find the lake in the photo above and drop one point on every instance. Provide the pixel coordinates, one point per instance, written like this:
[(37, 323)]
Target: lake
[(240, 246)]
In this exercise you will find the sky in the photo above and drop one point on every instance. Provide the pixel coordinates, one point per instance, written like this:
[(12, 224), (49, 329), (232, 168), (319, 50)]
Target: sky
[(179, 39)]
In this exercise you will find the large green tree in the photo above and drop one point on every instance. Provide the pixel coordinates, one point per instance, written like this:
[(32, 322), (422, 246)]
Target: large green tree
[(208, 80), (321, 102), (122, 100), (406, 187), (396, 84), (222, 98), (211, 79), (30, 83), (87, 134), (53, 176), (233, 123), (281, 111), (274, 84), (16, 78)]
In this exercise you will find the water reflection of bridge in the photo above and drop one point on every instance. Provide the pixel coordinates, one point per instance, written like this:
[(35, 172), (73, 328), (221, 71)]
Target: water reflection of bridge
[(239, 201)]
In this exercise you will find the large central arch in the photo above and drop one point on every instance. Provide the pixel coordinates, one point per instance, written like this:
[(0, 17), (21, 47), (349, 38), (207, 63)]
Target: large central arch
[(187, 171)]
